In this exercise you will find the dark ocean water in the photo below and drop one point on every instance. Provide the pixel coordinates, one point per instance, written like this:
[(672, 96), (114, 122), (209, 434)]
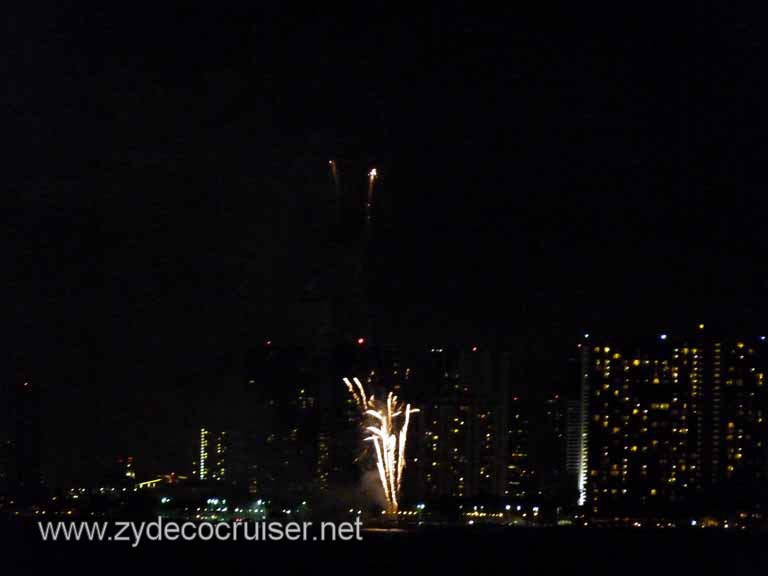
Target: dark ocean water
[(434, 551)]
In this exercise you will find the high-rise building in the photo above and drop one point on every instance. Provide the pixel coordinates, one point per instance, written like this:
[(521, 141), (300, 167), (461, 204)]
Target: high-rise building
[(322, 470), (670, 422), (520, 474), (738, 443), (281, 438), (461, 440), (211, 461), (468, 439), (120, 474), (642, 445), (27, 442), (551, 430), (577, 429), (576, 449)]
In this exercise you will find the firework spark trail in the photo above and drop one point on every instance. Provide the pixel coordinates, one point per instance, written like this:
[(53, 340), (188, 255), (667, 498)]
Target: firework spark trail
[(358, 394), (334, 174), (388, 439), (362, 393), (401, 446), (382, 471), (372, 175), (336, 184), (391, 442)]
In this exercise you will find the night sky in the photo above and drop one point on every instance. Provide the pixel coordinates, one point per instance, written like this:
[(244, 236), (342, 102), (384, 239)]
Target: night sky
[(546, 172)]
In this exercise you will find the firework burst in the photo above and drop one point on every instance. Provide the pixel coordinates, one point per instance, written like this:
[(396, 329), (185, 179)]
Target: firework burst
[(385, 424)]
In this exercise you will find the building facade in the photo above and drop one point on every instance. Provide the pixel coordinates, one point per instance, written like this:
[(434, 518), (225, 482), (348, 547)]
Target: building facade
[(669, 423), (211, 461)]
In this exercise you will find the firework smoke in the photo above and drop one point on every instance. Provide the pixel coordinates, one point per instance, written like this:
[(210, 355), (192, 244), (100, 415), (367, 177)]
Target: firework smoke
[(386, 423)]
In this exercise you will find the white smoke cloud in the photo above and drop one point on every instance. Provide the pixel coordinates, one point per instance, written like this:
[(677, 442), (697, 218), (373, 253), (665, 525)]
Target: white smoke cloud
[(371, 488)]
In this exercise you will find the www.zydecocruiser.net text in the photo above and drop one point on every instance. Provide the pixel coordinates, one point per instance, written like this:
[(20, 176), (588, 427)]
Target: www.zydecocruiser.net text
[(168, 530)]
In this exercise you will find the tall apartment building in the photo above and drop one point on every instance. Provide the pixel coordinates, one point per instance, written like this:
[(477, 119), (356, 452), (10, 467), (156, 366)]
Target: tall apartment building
[(474, 437), (211, 457), (669, 421)]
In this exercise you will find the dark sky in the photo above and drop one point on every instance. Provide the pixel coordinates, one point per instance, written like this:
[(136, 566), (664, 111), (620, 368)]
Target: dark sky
[(547, 171)]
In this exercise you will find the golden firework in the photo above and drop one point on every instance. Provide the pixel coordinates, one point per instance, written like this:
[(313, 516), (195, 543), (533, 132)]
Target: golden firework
[(386, 426)]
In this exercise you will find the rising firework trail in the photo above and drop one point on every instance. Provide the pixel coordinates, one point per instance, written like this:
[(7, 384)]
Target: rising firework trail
[(385, 424), (335, 178), (372, 175)]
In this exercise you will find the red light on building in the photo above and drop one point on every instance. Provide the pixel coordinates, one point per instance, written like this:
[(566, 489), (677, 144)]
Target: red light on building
[(361, 341), (474, 348), (269, 342)]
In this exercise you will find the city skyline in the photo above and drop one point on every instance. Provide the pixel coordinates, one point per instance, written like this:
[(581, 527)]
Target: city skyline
[(539, 175), (482, 287), (692, 384)]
